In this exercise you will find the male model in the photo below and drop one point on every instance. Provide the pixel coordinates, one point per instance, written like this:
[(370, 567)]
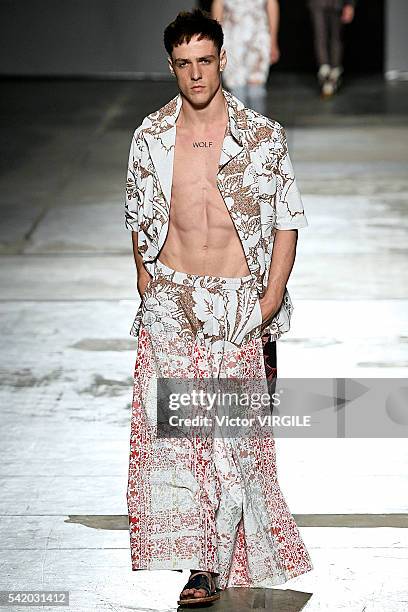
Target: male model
[(213, 206), (328, 18)]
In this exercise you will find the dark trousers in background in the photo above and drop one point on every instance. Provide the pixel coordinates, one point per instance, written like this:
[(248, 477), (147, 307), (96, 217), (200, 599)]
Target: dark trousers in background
[(328, 33)]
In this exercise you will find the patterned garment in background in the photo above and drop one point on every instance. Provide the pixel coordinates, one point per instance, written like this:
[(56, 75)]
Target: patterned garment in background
[(247, 42), (205, 502)]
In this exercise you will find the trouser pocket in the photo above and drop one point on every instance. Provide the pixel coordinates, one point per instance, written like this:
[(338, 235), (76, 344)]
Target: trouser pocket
[(254, 325)]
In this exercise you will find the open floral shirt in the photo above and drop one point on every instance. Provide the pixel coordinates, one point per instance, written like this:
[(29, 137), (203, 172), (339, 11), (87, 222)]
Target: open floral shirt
[(255, 178)]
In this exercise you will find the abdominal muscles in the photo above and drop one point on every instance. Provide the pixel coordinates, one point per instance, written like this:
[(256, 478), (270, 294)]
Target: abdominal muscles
[(201, 237)]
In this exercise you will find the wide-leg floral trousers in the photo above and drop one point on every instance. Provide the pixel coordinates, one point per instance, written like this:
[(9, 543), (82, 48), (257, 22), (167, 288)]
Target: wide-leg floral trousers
[(205, 502)]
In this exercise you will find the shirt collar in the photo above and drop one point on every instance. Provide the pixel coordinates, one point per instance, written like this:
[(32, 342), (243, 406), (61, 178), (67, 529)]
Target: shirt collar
[(166, 117)]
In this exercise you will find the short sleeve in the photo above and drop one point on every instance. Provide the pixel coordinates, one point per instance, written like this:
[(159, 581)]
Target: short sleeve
[(132, 191), (290, 212)]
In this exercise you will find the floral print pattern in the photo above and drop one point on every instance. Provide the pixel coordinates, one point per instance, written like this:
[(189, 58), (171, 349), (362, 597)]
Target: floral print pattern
[(202, 501), (255, 178), (247, 41), (180, 305)]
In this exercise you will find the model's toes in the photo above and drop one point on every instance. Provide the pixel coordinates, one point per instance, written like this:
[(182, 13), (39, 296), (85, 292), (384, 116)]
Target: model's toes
[(187, 593)]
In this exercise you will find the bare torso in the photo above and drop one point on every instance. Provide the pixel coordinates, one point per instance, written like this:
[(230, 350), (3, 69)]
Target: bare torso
[(201, 238)]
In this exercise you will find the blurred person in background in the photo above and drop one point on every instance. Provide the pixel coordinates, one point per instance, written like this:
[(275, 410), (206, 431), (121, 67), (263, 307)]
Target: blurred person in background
[(251, 41), (328, 19)]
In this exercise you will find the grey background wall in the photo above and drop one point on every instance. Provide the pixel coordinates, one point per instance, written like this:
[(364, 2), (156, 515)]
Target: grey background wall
[(396, 54), (85, 37)]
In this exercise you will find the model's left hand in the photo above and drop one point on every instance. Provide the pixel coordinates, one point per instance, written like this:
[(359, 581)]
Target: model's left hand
[(347, 14), (274, 53), (269, 307)]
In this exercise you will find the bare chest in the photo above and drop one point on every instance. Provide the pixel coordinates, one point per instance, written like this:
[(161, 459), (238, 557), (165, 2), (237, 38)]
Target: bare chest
[(196, 159)]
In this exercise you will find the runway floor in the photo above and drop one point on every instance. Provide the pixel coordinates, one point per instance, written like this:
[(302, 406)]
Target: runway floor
[(68, 297)]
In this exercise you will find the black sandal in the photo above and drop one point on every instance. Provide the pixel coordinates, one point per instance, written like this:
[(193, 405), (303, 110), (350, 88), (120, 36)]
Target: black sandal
[(199, 580)]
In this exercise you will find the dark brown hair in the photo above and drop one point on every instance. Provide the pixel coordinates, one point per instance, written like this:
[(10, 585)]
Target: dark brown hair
[(189, 23)]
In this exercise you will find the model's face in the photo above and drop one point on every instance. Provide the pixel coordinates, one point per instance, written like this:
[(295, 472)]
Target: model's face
[(197, 66)]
